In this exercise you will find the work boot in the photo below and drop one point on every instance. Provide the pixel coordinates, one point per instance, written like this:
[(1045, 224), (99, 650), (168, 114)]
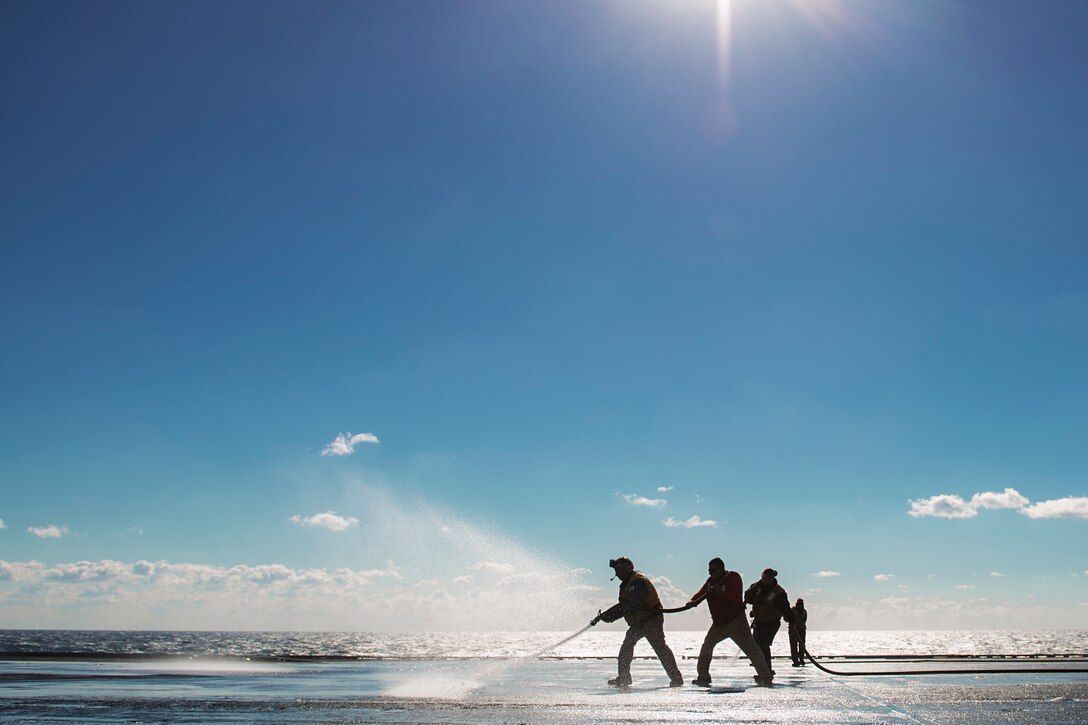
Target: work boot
[(677, 681), (620, 682), (701, 682)]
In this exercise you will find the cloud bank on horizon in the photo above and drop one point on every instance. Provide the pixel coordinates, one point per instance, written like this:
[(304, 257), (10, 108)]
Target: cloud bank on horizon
[(184, 595), (952, 506)]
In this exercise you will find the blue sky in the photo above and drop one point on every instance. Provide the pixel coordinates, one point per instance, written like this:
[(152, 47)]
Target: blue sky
[(553, 257)]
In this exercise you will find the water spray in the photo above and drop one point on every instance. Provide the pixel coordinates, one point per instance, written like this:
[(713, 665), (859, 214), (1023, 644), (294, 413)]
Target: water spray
[(602, 616), (561, 642)]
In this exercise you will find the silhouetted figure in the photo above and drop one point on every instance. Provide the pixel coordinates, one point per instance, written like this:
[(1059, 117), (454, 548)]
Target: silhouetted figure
[(770, 606), (722, 592), (797, 633), (640, 606)]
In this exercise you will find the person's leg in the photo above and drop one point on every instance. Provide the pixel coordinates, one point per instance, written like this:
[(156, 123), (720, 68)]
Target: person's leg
[(714, 635), (627, 653), (795, 647), (738, 631), (764, 633), (801, 647), (654, 631)]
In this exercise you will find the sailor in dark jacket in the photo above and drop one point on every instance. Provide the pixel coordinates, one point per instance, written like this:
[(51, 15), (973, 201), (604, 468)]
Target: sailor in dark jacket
[(770, 605), (640, 606)]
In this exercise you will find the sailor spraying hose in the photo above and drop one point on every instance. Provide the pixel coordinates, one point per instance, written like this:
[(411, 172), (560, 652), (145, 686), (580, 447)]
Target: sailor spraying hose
[(640, 607)]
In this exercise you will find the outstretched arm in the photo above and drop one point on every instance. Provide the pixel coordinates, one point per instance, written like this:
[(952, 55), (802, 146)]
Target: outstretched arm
[(611, 614), (699, 595)]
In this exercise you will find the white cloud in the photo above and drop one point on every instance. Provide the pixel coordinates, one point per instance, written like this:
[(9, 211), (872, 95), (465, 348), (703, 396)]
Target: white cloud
[(692, 523), (955, 507), (585, 588), (86, 571), (579, 571), (894, 600), (17, 571), (1071, 507), (668, 591), (519, 579), (965, 586), (344, 444), (636, 500), (463, 579), (943, 506), (826, 574), (996, 573), (1009, 499), (883, 577), (49, 532), (2, 524), (495, 567), (328, 520), (665, 489), (177, 591)]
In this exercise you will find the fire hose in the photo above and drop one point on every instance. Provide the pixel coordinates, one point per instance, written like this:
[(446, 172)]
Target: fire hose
[(877, 673)]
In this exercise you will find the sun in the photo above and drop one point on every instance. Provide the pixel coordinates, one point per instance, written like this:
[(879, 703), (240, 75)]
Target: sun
[(826, 16)]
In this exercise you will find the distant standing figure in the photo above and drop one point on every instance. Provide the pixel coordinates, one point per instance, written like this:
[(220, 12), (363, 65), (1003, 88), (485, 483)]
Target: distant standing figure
[(722, 592), (770, 605), (640, 606), (797, 633)]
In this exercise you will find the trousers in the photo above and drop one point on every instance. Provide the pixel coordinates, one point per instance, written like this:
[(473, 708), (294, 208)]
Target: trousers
[(797, 644), (736, 630), (764, 633), (654, 632)]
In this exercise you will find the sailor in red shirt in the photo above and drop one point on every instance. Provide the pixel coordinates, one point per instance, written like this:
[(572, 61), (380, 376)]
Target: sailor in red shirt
[(722, 592)]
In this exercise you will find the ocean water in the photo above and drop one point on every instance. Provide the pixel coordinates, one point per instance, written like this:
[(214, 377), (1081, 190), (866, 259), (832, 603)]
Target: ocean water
[(470, 677), (599, 642)]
